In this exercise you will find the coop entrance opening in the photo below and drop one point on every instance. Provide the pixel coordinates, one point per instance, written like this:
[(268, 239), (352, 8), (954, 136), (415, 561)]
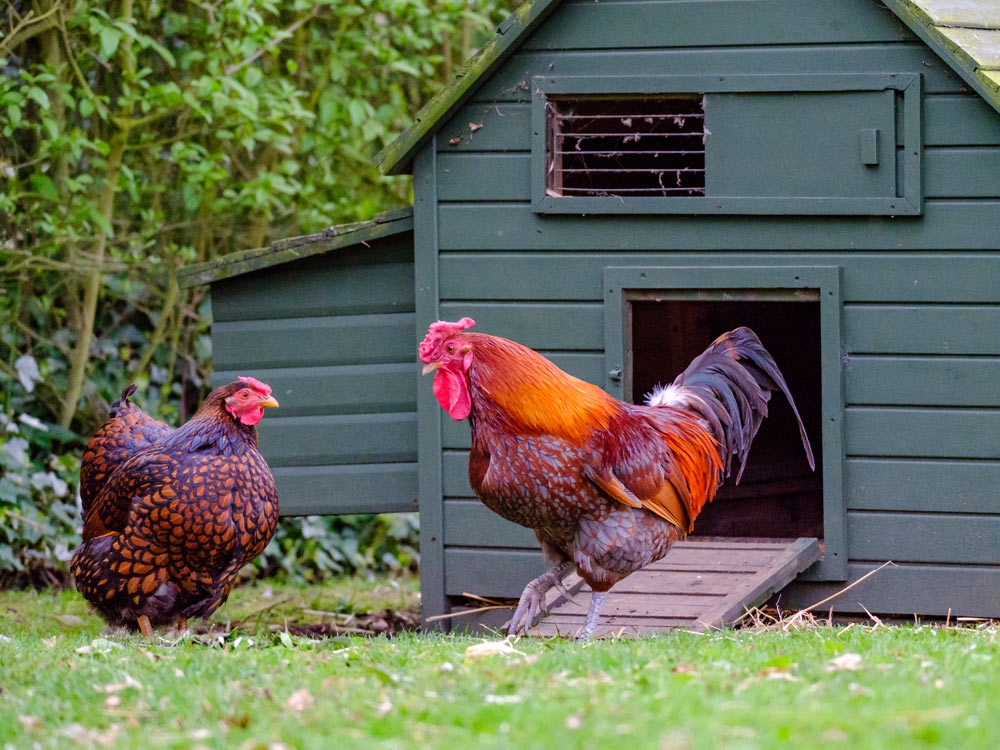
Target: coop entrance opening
[(778, 495)]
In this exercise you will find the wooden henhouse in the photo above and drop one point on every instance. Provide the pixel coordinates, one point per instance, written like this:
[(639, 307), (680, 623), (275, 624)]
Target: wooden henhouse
[(616, 183)]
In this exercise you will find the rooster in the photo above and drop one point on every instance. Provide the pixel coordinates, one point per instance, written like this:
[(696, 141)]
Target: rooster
[(171, 516), (607, 486)]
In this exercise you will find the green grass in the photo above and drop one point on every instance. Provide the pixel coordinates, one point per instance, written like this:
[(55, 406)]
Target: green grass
[(66, 684)]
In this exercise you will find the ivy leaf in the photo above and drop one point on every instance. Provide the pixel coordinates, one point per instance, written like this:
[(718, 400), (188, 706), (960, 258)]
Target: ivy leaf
[(38, 95), (252, 76), (110, 37), (44, 186)]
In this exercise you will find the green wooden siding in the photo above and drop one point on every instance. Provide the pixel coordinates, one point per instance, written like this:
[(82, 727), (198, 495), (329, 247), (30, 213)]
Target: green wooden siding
[(333, 335), (920, 294)]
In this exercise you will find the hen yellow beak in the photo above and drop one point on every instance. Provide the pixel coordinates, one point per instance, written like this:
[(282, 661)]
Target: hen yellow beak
[(269, 402), (430, 367)]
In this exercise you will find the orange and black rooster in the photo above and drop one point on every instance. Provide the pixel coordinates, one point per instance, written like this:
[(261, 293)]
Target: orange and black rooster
[(170, 516), (607, 486)]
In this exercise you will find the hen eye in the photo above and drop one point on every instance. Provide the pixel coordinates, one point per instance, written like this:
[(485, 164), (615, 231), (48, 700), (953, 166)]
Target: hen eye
[(244, 395), (450, 348)]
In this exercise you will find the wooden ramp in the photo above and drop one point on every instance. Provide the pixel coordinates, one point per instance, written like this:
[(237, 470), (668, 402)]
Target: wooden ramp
[(700, 584)]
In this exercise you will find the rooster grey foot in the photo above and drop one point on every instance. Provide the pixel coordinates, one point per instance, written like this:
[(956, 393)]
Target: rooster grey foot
[(596, 602), (531, 605)]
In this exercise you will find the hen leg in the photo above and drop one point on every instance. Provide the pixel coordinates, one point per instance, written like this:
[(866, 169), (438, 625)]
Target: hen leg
[(144, 626), (532, 601), (596, 602)]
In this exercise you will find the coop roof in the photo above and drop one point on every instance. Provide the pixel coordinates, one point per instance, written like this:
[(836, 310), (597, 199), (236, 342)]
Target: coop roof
[(295, 248), (965, 33)]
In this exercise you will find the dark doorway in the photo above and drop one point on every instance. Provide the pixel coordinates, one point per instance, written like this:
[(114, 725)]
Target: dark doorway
[(778, 495)]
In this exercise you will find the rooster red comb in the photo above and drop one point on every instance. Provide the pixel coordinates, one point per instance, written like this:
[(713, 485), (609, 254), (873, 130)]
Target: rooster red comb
[(255, 384), (439, 330)]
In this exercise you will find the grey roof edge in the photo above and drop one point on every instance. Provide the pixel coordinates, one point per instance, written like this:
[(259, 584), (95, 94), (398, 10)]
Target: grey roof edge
[(295, 248), (921, 24), (397, 157)]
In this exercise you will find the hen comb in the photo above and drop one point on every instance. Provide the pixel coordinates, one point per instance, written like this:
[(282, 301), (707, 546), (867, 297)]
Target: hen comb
[(440, 329), (255, 384)]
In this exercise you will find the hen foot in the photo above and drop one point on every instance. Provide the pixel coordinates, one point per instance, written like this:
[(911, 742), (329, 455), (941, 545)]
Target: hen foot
[(531, 605)]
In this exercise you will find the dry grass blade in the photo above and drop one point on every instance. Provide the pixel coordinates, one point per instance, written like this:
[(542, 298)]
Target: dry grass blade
[(488, 604), (798, 617)]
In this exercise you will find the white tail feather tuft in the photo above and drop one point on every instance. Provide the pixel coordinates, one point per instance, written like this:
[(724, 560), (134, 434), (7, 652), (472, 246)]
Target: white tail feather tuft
[(670, 395)]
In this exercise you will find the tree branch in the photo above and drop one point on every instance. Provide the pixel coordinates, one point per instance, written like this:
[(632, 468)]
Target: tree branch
[(278, 39), (27, 28)]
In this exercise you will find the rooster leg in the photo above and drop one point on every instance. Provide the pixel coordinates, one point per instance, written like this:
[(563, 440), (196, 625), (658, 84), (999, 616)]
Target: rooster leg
[(596, 602), (145, 627), (532, 601)]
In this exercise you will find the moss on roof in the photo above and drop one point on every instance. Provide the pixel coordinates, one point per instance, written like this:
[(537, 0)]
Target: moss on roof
[(965, 33), (294, 248)]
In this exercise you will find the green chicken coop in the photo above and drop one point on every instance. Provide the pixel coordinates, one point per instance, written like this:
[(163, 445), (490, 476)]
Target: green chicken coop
[(616, 183)]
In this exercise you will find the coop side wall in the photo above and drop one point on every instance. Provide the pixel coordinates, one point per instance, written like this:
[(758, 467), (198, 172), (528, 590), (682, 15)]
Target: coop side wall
[(920, 294), (333, 336)]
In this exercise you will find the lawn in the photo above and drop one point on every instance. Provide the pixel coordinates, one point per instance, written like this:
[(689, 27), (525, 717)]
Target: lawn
[(66, 683)]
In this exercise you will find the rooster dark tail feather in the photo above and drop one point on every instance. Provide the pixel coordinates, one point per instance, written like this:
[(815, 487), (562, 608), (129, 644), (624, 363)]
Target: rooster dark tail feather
[(731, 383)]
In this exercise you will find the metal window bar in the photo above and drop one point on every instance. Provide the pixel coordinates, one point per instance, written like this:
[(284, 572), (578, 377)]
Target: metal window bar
[(605, 123)]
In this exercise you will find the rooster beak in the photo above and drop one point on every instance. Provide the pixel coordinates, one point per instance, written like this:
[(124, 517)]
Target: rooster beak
[(430, 367), (270, 401)]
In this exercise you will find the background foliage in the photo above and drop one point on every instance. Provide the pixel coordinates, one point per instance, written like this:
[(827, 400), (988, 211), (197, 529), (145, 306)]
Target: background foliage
[(139, 137)]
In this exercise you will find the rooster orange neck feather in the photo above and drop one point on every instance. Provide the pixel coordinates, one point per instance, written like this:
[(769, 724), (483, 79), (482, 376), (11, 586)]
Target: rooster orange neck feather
[(534, 393)]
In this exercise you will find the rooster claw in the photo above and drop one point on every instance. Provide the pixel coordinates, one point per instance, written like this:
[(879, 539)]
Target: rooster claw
[(531, 605)]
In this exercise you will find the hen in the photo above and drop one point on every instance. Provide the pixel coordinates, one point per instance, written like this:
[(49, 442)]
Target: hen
[(606, 485), (171, 516)]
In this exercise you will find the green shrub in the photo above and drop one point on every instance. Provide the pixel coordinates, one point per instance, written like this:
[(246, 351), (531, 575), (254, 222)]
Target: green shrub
[(311, 548), (39, 521)]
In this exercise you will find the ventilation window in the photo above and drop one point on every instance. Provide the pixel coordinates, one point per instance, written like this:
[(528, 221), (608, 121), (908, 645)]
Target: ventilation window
[(632, 147)]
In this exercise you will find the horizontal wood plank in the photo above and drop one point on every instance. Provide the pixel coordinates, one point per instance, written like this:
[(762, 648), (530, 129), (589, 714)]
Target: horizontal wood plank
[(905, 589), (343, 389), (960, 120), (512, 81), (922, 381), (469, 523), (921, 329), (923, 537), (949, 173), (589, 25), (899, 277), (339, 439), (358, 488), (566, 327), (318, 286), (961, 172), (460, 177), (314, 342), (944, 225), (918, 485), (949, 120), (492, 573), (922, 433)]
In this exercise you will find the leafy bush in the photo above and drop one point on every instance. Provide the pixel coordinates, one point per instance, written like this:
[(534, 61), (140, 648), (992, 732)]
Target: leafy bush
[(137, 140), (311, 548), (39, 521)]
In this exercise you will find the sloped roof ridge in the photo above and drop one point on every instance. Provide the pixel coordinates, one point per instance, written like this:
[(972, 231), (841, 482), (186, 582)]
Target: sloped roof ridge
[(295, 248), (396, 157)]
